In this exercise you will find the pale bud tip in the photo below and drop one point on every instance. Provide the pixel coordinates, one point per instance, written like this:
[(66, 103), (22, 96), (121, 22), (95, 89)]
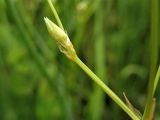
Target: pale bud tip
[(48, 23), (45, 19)]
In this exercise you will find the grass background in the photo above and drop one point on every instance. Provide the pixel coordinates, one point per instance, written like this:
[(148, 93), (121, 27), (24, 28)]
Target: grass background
[(37, 82)]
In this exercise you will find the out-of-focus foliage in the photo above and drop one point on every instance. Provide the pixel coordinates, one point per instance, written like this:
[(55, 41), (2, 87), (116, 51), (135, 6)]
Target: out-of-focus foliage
[(37, 82)]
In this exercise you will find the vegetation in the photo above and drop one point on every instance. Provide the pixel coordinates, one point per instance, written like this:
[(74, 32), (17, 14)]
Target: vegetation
[(110, 37)]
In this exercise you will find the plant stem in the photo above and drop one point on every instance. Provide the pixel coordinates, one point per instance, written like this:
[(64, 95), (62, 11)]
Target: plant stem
[(110, 93), (55, 14), (154, 56), (148, 111), (156, 79)]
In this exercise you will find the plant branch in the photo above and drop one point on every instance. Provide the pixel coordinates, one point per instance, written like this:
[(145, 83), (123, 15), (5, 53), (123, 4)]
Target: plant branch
[(110, 93)]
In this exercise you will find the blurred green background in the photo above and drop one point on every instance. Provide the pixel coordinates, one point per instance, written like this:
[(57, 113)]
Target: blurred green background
[(37, 82)]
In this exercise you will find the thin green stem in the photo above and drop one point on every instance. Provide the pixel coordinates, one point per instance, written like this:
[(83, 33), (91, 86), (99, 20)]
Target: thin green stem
[(55, 14), (156, 80), (110, 93), (154, 56), (147, 111)]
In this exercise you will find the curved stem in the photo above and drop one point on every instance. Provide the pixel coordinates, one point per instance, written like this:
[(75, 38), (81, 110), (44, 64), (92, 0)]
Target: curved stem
[(110, 93)]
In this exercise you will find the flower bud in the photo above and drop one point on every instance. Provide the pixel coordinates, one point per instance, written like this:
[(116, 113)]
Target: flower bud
[(61, 38)]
